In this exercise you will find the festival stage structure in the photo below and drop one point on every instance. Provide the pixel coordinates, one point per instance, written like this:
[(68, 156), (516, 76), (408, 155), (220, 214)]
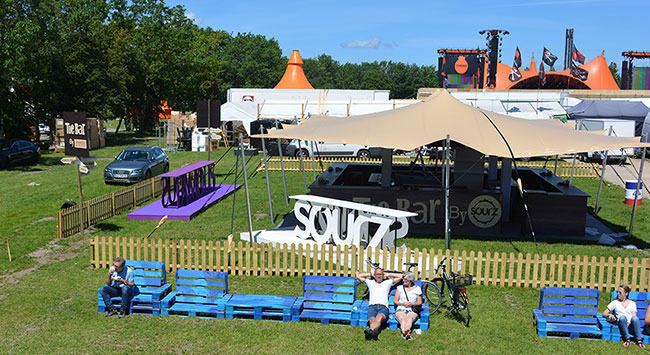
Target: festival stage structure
[(187, 192), (469, 198)]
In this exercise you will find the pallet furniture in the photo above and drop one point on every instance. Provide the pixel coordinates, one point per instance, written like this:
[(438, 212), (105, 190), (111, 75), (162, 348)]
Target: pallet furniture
[(570, 313), (422, 322), (328, 298), (198, 294), (150, 288), (642, 299), (260, 307)]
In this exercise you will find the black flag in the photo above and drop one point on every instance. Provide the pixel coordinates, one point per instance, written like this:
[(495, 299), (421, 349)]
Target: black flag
[(517, 63), (578, 72), (542, 75), (548, 58), (577, 56), (514, 74)]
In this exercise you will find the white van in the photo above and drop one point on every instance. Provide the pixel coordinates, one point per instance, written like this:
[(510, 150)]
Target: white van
[(325, 149)]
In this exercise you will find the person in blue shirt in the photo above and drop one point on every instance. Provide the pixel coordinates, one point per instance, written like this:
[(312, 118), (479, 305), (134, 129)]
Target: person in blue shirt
[(119, 284)]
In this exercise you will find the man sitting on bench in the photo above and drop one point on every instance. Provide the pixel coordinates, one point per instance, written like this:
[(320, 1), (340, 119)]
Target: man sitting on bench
[(119, 284), (379, 289)]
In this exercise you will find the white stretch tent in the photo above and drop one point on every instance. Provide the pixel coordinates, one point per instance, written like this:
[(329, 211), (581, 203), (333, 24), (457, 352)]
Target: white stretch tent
[(440, 115)]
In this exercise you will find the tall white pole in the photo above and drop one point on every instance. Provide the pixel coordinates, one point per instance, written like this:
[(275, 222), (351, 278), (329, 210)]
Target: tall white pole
[(248, 201), (602, 175), (313, 159), (266, 171), (639, 181), (446, 188)]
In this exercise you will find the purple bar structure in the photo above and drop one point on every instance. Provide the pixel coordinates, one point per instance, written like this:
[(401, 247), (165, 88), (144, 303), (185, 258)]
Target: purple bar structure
[(156, 211), (187, 184)]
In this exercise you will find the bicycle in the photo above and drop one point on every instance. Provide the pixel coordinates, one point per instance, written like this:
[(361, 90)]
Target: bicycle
[(456, 289)]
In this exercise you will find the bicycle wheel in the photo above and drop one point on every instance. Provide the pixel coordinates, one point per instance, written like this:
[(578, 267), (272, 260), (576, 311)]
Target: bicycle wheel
[(462, 308), (432, 295)]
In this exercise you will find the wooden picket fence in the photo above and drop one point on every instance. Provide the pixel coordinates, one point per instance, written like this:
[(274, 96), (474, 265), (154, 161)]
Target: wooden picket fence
[(487, 268), (106, 206), (582, 169)]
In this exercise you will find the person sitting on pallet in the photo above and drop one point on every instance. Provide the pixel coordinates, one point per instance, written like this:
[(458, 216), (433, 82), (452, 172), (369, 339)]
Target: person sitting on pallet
[(408, 299), (622, 311), (119, 284), (379, 289)]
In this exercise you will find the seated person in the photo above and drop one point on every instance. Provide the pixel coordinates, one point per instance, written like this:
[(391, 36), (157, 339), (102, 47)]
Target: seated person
[(119, 283), (379, 289), (622, 311), (407, 296)]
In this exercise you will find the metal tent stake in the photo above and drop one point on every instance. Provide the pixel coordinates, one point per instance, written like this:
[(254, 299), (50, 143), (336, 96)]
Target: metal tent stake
[(638, 188), (266, 170), (446, 188), (248, 201)]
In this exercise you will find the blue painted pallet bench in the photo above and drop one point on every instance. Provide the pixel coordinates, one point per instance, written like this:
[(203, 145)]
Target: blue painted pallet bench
[(198, 294), (151, 287), (260, 306), (570, 313), (327, 299), (422, 322), (642, 300)]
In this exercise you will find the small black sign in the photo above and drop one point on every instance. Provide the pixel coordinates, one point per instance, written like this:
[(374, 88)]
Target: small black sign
[(202, 113), (75, 128)]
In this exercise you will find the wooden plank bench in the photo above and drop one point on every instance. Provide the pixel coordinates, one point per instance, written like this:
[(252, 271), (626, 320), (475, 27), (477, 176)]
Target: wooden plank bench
[(422, 322), (260, 307), (569, 313), (327, 298), (151, 284), (642, 299), (198, 293)]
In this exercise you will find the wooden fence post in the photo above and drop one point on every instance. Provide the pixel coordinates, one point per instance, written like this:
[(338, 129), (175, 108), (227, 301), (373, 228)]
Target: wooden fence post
[(113, 203), (153, 188), (134, 200), (59, 219)]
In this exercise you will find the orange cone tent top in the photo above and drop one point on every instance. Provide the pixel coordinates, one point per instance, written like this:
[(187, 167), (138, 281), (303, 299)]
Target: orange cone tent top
[(599, 78), (294, 77)]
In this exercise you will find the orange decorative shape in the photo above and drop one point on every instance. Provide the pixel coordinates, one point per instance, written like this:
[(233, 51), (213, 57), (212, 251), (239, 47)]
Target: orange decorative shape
[(294, 77), (461, 65)]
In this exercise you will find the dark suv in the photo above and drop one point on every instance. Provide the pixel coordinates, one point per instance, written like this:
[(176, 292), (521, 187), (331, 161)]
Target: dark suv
[(14, 152)]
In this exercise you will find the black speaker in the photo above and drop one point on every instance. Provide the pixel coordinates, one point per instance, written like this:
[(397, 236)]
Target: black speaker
[(214, 112)]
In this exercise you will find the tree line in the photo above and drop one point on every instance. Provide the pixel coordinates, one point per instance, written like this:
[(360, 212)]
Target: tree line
[(121, 58)]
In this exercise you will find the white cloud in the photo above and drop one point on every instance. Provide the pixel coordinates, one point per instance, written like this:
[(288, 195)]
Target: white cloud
[(192, 16), (369, 43)]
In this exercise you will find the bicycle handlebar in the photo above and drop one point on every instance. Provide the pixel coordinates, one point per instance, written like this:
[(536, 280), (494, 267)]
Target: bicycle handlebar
[(440, 265)]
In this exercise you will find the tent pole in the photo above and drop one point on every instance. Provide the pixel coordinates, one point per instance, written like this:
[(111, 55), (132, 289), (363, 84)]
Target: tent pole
[(638, 187), (313, 159), (302, 164), (284, 180), (446, 188), (602, 175), (557, 157), (573, 167), (248, 201), (266, 171)]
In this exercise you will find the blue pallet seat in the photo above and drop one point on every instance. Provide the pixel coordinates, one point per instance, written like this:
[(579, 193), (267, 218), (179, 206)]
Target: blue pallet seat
[(198, 294), (569, 313), (261, 307), (422, 322), (327, 299), (642, 299), (151, 287)]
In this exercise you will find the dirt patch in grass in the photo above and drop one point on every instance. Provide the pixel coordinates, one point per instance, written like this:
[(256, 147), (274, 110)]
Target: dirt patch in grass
[(44, 219), (52, 252)]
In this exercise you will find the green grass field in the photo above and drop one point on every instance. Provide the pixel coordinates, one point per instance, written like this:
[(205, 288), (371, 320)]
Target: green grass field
[(49, 292)]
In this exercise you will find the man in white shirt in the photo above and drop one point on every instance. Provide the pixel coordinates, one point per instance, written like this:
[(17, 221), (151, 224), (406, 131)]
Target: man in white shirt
[(379, 289)]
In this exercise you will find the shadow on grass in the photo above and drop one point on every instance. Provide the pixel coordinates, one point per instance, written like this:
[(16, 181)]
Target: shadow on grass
[(640, 243), (107, 227), (126, 138)]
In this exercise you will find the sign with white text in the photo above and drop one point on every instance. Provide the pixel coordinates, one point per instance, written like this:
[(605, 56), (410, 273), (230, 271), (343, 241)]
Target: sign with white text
[(75, 128)]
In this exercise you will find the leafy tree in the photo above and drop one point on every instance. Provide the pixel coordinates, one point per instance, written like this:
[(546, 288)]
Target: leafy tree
[(614, 70)]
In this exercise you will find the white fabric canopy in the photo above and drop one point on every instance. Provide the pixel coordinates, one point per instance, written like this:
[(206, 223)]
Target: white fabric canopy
[(430, 121)]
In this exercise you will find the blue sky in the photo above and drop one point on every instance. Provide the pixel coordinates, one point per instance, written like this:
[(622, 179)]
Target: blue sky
[(412, 32)]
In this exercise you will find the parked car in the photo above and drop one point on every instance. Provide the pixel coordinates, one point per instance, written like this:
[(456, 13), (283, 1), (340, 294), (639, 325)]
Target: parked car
[(325, 149), (135, 164), (14, 152)]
